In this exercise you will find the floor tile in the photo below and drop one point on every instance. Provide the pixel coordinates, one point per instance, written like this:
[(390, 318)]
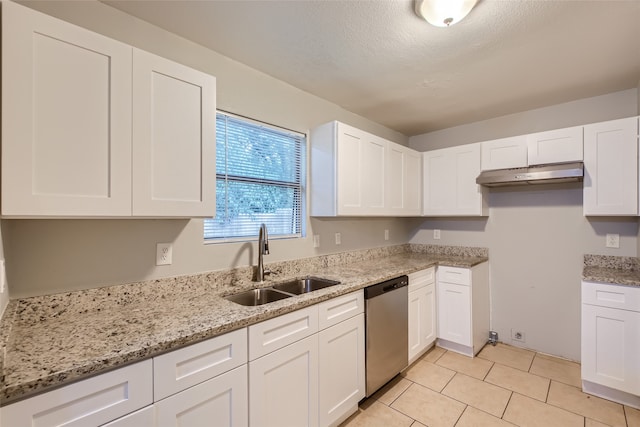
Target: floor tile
[(507, 355), (417, 424), (392, 390), (557, 369), (434, 354), (593, 423), (472, 366), (429, 375), (428, 407), (574, 400), (479, 394), (377, 415), (633, 416), (526, 412), (519, 381), (473, 417)]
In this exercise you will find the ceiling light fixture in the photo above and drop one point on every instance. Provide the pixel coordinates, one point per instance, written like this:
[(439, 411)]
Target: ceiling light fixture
[(443, 13)]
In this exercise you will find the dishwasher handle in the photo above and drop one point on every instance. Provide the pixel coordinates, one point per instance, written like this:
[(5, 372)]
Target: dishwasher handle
[(386, 286)]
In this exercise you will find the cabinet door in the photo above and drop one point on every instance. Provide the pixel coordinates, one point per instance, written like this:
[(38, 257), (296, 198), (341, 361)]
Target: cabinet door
[(220, 401), (504, 153), (417, 302), (450, 182), (174, 141), (610, 348), (284, 386), (360, 172), (555, 146), (469, 195), (422, 320), (428, 331), (439, 187), (342, 373), (611, 168), (93, 401), (454, 313), (404, 181), (66, 118)]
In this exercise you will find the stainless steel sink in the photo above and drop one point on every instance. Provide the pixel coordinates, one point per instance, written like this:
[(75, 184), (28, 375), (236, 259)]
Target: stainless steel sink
[(303, 286), (256, 297)]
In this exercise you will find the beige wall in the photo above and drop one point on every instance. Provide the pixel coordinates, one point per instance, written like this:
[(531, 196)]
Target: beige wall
[(536, 236), (48, 256)]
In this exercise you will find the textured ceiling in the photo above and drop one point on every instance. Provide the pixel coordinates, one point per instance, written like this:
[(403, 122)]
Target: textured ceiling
[(379, 60)]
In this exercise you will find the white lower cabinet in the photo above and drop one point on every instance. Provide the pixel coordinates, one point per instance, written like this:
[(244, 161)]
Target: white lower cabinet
[(463, 308), (422, 312), (220, 402), (342, 371), (284, 386), (94, 401), (610, 345)]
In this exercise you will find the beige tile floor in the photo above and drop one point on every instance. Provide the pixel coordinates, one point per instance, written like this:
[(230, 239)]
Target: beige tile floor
[(503, 386)]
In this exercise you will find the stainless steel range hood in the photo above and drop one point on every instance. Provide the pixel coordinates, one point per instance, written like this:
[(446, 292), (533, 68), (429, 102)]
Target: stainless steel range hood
[(542, 174)]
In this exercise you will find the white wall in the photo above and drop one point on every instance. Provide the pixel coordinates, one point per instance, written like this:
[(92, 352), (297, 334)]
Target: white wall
[(48, 256), (536, 236)]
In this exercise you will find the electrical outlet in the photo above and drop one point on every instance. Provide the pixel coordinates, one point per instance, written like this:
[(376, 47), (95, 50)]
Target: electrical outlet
[(164, 253), (436, 234), (338, 239), (316, 240), (517, 335), (613, 240), (386, 234)]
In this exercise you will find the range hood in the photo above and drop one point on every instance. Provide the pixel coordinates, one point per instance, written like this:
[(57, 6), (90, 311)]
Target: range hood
[(542, 174)]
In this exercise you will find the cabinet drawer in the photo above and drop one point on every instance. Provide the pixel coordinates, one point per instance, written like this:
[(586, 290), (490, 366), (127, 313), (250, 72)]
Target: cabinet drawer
[(460, 276), (421, 278), (186, 367), (614, 296), (273, 334), (93, 401), (341, 308)]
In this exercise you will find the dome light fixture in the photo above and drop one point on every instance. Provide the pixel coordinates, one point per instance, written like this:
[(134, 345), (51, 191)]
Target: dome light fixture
[(443, 13)]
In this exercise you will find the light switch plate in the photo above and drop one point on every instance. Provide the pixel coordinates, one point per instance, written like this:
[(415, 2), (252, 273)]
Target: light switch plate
[(316, 240), (613, 240)]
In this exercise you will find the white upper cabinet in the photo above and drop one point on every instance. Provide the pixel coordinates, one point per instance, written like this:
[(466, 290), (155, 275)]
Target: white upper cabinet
[(611, 167), (73, 146), (450, 187), (404, 181), (504, 153), (355, 173), (555, 146), (66, 118), (174, 143)]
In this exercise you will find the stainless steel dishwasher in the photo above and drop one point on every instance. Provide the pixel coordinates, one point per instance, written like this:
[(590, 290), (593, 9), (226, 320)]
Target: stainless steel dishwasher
[(386, 310)]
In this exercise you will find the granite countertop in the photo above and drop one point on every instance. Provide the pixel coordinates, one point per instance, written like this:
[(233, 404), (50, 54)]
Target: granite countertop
[(53, 340), (615, 270)]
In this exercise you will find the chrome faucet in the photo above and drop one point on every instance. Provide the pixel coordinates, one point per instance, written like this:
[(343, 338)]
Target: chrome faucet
[(263, 249)]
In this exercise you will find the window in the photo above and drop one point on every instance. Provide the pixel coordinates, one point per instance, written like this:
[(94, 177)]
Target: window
[(259, 179)]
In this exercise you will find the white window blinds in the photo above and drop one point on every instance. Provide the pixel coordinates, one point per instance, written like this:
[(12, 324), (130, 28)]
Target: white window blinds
[(259, 179)]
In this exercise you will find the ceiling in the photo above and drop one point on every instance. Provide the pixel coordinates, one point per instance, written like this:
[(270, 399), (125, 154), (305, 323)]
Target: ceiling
[(379, 60)]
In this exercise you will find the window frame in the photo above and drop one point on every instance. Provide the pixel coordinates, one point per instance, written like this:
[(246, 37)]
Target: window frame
[(303, 137)]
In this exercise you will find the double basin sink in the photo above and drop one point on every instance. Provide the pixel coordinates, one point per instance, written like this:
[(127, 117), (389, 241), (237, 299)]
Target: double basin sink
[(280, 291)]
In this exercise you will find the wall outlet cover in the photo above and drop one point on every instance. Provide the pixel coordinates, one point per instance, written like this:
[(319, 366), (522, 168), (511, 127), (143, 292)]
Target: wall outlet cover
[(164, 253), (436, 234), (613, 240)]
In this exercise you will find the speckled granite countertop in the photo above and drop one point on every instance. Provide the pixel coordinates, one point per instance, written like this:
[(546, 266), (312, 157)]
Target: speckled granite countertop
[(53, 340), (616, 270)]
